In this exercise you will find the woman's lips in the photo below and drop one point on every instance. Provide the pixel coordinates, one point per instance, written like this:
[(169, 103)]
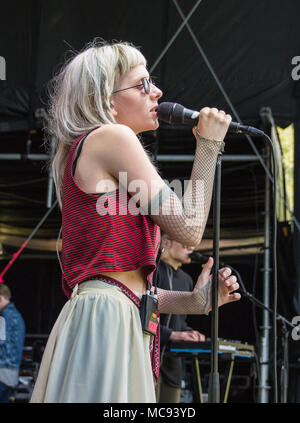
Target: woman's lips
[(154, 110)]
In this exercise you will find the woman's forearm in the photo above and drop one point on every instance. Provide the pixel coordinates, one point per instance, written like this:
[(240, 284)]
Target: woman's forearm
[(185, 220), (184, 302)]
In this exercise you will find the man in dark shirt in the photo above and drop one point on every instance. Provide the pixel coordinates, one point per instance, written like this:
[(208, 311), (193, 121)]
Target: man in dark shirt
[(12, 334), (173, 327)]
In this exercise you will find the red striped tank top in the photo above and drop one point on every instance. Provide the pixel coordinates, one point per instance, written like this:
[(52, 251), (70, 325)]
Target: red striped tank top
[(99, 234)]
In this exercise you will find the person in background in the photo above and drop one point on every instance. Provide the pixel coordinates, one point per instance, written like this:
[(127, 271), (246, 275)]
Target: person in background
[(173, 327), (12, 329)]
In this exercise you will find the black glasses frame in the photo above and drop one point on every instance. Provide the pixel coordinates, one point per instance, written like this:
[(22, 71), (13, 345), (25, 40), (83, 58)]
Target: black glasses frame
[(183, 245), (146, 84)]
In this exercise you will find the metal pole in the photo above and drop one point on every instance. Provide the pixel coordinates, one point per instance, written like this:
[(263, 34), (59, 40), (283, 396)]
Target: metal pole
[(296, 238), (18, 156), (158, 157), (185, 19), (214, 377), (190, 158), (264, 387)]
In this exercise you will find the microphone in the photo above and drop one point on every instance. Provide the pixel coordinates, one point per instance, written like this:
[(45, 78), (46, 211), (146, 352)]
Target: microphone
[(197, 257), (176, 113)]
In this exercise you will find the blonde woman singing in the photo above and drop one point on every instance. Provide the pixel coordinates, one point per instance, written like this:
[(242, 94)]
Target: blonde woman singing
[(113, 204)]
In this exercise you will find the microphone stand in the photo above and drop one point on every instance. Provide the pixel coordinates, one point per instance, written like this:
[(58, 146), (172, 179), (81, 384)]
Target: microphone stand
[(214, 377), (284, 334)]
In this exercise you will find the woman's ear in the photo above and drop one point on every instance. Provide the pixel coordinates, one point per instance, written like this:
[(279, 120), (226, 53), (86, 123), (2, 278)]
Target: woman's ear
[(165, 242), (113, 110)]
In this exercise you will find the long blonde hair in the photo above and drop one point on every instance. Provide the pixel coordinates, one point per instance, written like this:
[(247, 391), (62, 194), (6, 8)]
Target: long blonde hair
[(80, 96)]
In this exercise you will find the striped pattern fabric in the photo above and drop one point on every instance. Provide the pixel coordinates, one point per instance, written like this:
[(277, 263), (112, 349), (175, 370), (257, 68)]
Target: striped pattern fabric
[(101, 234)]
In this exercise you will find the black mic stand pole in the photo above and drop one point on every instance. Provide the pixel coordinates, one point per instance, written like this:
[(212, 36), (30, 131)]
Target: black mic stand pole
[(214, 377)]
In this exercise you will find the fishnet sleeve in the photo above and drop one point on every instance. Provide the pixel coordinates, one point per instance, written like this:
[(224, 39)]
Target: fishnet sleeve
[(181, 302), (184, 220)]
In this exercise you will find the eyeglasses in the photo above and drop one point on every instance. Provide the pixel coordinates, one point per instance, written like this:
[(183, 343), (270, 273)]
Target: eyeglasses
[(183, 245), (145, 84)]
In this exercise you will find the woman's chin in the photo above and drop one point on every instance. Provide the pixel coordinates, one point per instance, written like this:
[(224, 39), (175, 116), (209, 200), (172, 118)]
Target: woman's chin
[(147, 128), (154, 125)]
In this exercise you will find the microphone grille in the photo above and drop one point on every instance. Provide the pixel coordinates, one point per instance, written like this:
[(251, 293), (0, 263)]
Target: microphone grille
[(170, 112)]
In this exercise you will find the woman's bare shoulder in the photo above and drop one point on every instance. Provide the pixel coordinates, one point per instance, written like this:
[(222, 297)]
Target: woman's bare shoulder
[(114, 147), (111, 135)]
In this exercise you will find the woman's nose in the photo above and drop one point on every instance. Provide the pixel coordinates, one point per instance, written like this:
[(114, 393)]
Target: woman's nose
[(155, 91)]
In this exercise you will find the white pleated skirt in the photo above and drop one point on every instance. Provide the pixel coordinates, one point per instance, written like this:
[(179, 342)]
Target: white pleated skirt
[(96, 351)]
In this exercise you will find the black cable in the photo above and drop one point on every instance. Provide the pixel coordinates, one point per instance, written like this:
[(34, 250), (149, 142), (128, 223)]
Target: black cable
[(255, 326), (158, 258)]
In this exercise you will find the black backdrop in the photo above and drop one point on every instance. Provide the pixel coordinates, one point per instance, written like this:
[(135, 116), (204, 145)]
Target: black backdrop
[(250, 46)]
